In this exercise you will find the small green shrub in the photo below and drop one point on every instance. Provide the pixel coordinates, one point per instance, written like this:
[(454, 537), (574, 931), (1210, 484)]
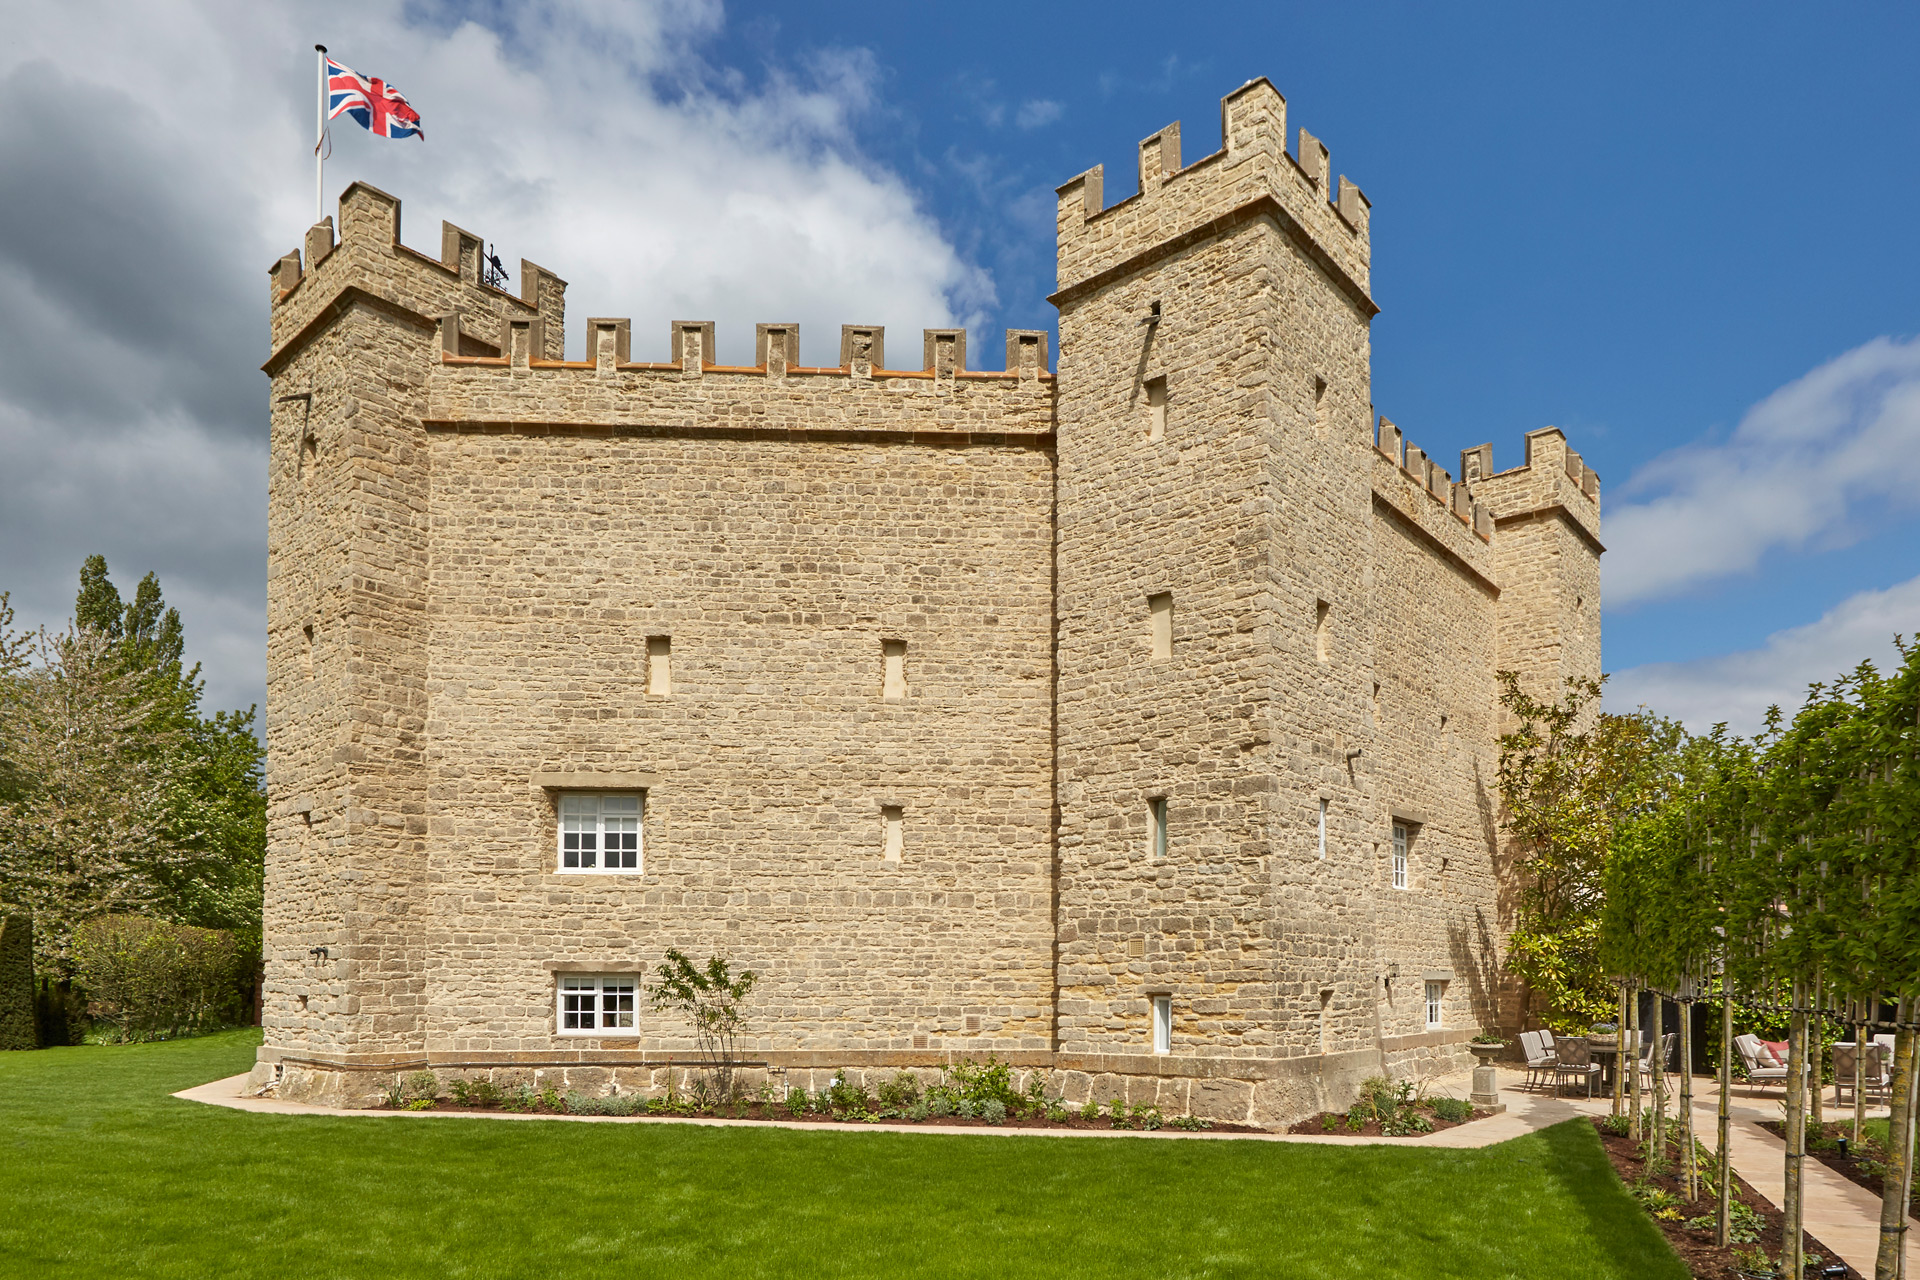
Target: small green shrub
[(939, 1105), (993, 1111), (1653, 1199), (421, 1086), (1194, 1124), (1147, 1117), (476, 1093), (966, 1109), (901, 1091), (1743, 1224), (612, 1104), (1057, 1111), (1090, 1109), (1452, 1110), (420, 1104), (1404, 1121), (1617, 1126), (919, 1110), (1117, 1113), (844, 1095)]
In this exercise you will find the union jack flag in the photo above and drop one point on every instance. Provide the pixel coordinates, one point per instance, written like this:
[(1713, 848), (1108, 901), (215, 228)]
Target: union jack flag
[(376, 104)]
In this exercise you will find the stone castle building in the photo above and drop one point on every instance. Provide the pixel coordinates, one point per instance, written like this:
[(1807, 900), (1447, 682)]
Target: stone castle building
[(1134, 720)]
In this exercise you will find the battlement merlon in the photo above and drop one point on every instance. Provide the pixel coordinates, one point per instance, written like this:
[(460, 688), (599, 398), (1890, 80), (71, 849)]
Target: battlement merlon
[(1251, 176), (368, 261), (1553, 480)]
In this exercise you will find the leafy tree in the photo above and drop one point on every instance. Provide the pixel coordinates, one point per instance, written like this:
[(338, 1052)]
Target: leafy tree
[(116, 794), (1568, 777)]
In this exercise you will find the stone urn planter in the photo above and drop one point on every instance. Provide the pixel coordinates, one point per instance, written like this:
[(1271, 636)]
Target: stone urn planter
[(1486, 1081)]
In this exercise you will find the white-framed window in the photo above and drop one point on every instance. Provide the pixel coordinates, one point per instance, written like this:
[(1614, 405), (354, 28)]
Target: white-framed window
[(1436, 994), (1163, 1024), (1157, 827), (1399, 855), (597, 1004), (600, 831)]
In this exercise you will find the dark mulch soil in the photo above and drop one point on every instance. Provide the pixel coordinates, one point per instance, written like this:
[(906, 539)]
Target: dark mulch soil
[(1334, 1124), (1706, 1260), (760, 1111), (1859, 1168)]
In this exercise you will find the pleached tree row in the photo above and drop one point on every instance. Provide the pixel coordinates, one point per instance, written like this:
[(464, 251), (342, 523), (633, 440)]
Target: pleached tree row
[(1781, 873)]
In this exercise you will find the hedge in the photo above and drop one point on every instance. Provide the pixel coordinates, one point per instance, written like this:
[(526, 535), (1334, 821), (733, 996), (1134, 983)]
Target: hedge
[(17, 1029), (150, 980)]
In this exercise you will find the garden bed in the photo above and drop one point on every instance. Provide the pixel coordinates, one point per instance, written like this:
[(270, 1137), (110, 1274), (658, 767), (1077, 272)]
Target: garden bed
[(1663, 1196), (1864, 1163), (969, 1094), (1145, 1119), (1392, 1109)]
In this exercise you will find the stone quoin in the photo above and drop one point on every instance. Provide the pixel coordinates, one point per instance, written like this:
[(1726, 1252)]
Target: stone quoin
[(1135, 721)]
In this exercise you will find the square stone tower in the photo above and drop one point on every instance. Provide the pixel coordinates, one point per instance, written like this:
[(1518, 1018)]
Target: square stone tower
[(1278, 633)]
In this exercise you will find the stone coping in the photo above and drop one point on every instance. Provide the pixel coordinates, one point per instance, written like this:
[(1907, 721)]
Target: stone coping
[(1530, 1114)]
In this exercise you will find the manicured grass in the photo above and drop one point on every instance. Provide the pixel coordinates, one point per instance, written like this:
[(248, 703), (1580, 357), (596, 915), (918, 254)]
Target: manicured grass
[(102, 1173)]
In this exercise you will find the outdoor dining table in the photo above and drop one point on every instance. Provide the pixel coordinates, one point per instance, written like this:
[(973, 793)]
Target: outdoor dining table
[(1606, 1052)]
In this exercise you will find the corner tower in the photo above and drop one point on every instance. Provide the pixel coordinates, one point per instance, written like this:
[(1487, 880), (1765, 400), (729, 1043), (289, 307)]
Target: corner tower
[(1214, 446), (356, 328)]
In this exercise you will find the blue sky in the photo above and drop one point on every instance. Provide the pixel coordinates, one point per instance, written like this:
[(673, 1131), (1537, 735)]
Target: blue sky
[(1661, 228)]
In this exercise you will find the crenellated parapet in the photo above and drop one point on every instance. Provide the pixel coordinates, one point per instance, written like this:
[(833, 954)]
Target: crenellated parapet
[(1251, 176), (368, 262), (1552, 481)]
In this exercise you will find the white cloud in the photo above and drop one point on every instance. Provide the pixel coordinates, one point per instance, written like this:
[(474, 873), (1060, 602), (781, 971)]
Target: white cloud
[(158, 159), (1795, 474), (1038, 113), (1739, 687)]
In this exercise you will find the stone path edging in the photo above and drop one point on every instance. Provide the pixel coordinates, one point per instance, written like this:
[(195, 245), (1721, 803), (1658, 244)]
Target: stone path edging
[(1513, 1123)]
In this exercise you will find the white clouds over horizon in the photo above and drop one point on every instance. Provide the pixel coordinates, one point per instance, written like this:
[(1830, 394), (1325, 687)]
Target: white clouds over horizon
[(1796, 474), (1812, 467), (1737, 688), (142, 210)]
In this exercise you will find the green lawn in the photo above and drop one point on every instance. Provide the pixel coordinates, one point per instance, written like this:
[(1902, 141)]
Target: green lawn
[(101, 1173)]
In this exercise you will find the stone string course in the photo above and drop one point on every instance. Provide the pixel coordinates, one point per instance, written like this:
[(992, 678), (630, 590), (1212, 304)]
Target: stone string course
[(474, 543)]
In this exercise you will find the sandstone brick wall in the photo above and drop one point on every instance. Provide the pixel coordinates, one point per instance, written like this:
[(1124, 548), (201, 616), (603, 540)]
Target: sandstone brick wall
[(485, 540)]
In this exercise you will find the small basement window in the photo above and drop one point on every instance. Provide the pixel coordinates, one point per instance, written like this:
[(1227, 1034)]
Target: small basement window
[(601, 831), (1163, 1024), (1436, 995), (597, 1005)]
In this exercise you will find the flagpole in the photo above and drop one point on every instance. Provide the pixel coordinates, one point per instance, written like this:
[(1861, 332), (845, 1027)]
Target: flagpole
[(319, 140)]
